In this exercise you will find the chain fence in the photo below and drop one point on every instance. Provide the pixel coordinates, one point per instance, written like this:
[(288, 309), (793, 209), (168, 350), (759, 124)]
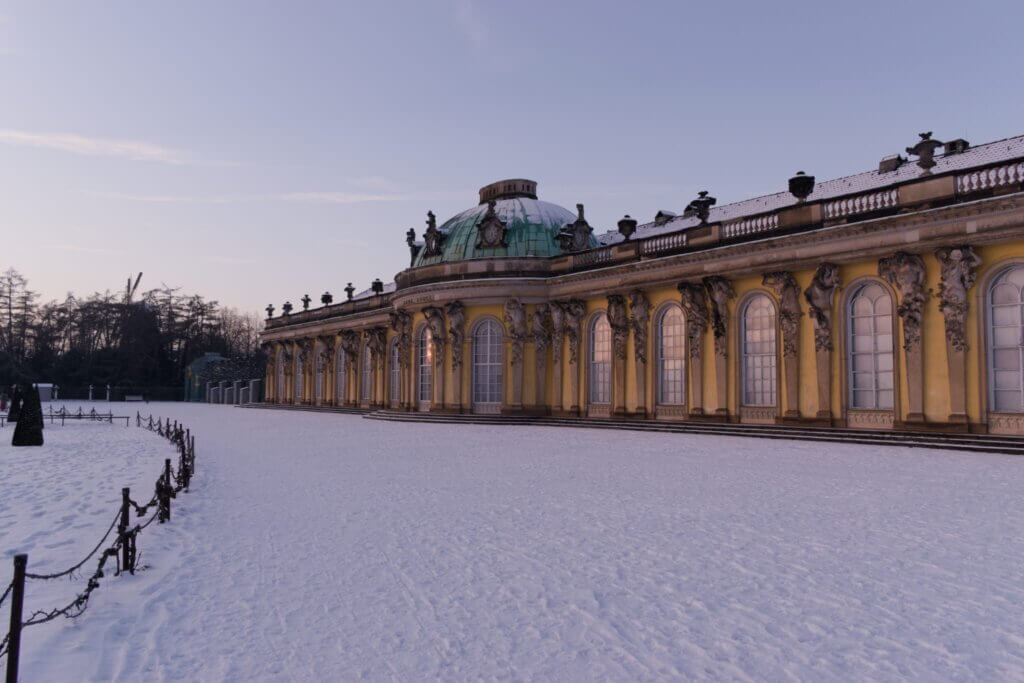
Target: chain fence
[(123, 549)]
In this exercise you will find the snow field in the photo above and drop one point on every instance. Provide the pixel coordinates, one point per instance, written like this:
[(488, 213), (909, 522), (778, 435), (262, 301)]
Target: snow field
[(328, 547)]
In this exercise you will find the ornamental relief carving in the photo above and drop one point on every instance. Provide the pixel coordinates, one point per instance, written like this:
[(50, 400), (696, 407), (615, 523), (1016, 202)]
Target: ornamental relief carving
[(376, 340), (350, 345), (540, 329), (491, 230), (695, 306), (640, 315), (905, 272), (515, 326), (788, 291), (619, 322), (573, 311), (401, 323), (557, 313), (456, 330), (957, 265), (435, 321), (720, 290), (819, 303)]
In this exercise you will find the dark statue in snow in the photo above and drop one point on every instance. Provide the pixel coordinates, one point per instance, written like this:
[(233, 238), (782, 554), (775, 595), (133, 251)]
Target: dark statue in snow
[(29, 429)]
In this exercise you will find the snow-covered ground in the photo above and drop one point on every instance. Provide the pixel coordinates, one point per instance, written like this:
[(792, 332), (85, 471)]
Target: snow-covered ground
[(318, 547)]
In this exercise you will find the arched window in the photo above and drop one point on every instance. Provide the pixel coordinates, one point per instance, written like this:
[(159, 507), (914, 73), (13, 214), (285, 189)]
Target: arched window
[(600, 360), (759, 353), (340, 377), (366, 381), (488, 366), (318, 380), (671, 360), (425, 364), (297, 398), (395, 369), (1006, 341), (870, 348), (279, 391)]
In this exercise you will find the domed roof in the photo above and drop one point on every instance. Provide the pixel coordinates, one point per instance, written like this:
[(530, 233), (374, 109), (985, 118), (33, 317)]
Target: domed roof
[(531, 226)]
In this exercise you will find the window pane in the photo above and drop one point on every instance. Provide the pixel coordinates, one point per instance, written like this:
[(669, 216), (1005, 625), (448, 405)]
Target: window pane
[(1006, 359)]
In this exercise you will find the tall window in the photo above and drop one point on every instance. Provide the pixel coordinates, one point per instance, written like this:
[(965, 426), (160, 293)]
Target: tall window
[(1006, 340), (298, 378), (487, 364), (759, 355), (600, 360), (425, 362), (671, 361), (318, 381), (279, 392), (340, 377), (871, 351), (366, 382), (395, 372)]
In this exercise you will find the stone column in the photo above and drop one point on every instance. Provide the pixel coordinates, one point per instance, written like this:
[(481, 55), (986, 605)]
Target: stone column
[(788, 290), (906, 273), (557, 313), (958, 275), (695, 308), (515, 328), (330, 377), (540, 326), (456, 313), (435, 318), (819, 306), (720, 290), (574, 312), (618, 320), (640, 315)]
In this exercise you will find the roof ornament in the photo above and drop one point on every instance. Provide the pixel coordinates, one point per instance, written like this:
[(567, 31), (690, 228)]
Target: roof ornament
[(491, 230), (700, 207), (377, 287), (287, 307), (414, 249), (326, 298), (270, 310), (627, 226), (349, 291), (801, 185), (305, 302), (433, 237), (575, 236), (925, 152)]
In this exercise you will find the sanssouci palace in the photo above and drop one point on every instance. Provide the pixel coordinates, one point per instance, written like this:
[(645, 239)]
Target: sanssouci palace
[(890, 299)]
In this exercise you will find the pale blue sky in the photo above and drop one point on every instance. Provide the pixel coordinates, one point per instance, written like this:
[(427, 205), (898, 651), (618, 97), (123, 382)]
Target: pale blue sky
[(255, 151)]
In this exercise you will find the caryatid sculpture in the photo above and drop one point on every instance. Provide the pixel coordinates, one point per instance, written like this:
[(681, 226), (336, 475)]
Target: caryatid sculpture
[(905, 272), (720, 290), (957, 268), (695, 306), (456, 330), (819, 303), (788, 290), (639, 318), (515, 326), (618, 320)]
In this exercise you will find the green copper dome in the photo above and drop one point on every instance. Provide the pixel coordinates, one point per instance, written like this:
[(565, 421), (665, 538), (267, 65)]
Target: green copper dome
[(531, 226)]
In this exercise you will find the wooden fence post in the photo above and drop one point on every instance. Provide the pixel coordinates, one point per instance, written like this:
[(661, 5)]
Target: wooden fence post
[(17, 603), (122, 530)]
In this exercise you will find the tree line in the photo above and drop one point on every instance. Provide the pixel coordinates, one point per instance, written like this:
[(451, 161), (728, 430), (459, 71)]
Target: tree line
[(134, 342)]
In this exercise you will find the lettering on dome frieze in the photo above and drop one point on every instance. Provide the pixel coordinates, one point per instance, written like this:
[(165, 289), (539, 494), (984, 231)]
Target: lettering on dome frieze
[(432, 238), (491, 230)]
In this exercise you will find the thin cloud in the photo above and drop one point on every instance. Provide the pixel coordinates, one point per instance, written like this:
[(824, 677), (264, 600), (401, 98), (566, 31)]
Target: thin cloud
[(79, 249), (469, 21), (170, 198), (134, 150)]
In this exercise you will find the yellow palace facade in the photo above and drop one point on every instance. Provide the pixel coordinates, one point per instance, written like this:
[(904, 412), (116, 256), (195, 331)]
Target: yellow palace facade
[(890, 299)]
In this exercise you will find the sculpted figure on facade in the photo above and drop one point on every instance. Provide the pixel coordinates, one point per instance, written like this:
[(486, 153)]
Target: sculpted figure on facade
[(618, 320), (540, 329), (720, 290), (350, 345), (515, 327), (401, 323), (435, 320), (640, 315), (286, 358), (573, 311), (958, 265), (557, 312), (377, 340), (905, 272), (456, 330), (788, 290), (819, 303), (695, 306)]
